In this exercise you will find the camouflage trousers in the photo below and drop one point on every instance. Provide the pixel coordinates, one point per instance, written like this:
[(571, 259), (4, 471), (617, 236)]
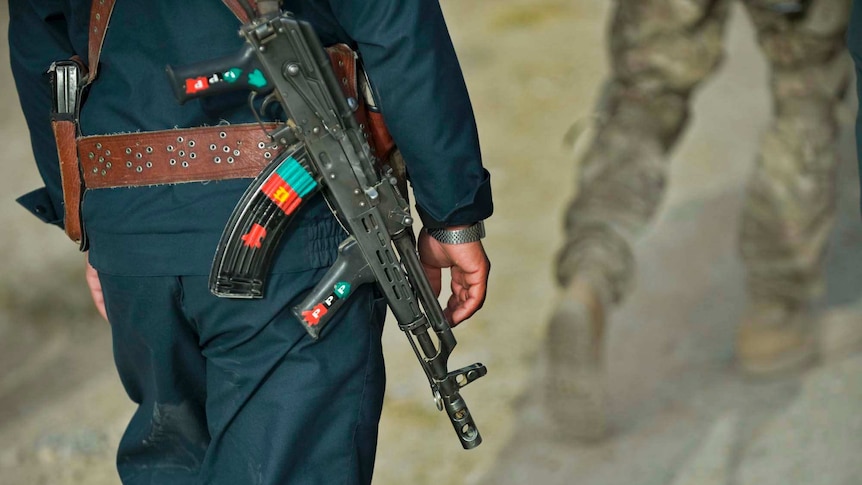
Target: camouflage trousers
[(661, 51)]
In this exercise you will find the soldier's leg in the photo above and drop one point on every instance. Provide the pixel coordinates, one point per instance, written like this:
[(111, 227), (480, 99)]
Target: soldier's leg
[(158, 358), (282, 408), (236, 392), (790, 203), (661, 50)]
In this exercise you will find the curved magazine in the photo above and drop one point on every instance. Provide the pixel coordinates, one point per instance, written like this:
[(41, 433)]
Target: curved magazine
[(252, 234)]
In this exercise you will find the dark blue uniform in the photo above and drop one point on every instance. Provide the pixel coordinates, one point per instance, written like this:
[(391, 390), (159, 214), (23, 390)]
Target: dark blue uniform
[(854, 44), (234, 391)]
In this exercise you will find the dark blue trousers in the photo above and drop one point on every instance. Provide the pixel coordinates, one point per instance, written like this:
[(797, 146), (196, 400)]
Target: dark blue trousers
[(234, 392)]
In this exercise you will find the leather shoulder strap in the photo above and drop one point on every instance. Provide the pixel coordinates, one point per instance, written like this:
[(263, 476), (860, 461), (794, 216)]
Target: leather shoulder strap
[(237, 9), (100, 14)]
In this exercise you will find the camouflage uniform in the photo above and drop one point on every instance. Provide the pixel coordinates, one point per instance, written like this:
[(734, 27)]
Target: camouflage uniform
[(662, 50)]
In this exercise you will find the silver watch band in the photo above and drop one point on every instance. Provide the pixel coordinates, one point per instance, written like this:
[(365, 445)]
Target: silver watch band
[(459, 236)]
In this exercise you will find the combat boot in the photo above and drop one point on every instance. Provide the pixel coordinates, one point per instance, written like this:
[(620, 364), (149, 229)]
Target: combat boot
[(774, 337), (575, 375)]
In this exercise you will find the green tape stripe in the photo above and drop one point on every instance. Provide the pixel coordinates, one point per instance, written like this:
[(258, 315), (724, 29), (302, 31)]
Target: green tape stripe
[(296, 177)]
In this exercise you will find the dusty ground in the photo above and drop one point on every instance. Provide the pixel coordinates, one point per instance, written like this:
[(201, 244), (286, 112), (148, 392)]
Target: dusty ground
[(678, 409)]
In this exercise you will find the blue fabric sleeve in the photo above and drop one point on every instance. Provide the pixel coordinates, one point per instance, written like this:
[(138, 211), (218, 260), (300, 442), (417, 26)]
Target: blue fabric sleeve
[(40, 204), (854, 46), (420, 89), (38, 36)]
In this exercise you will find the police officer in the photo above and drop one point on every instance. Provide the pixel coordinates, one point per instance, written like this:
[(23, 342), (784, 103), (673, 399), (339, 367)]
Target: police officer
[(231, 391), (662, 50)]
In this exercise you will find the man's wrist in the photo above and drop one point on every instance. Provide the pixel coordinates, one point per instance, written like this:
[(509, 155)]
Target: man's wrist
[(460, 235)]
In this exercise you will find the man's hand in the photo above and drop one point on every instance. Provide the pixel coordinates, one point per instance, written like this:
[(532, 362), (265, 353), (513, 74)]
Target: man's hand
[(470, 268), (95, 288)]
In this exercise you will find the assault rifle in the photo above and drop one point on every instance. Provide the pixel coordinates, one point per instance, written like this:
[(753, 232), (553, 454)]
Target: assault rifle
[(325, 150)]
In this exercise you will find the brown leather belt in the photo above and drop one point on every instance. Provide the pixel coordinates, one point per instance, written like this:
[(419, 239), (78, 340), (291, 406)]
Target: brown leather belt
[(208, 153), (175, 156)]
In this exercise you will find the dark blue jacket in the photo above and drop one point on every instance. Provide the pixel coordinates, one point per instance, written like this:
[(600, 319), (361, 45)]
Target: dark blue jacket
[(854, 45), (173, 229)]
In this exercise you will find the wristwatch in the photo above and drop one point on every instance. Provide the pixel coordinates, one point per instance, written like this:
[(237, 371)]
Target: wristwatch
[(459, 236)]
